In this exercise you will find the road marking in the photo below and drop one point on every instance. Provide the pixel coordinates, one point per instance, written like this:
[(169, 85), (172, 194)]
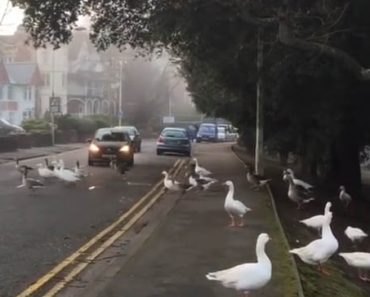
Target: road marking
[(70, 259), (80, 267), (138, 184)]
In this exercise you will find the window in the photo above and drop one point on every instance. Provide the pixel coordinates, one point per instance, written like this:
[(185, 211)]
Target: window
[(11, 92), (46, 79), (25, 95), (64, 81), (29, 93)]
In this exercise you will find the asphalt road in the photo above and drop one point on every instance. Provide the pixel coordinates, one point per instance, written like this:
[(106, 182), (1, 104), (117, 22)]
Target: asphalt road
[(38, 230)]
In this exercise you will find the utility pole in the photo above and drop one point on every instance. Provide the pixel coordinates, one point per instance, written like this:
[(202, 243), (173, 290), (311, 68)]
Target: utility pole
[(120, 93), (52, 95), (259, 106)]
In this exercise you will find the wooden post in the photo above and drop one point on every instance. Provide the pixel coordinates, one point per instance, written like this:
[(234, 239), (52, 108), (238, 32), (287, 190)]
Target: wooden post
[(259, 107)]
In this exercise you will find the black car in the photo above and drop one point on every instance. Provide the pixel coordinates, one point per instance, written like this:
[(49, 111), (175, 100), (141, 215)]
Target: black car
[(111, 145), (174, 140), (134, 136)]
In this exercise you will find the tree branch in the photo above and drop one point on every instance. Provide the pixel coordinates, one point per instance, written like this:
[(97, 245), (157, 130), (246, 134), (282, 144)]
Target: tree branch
[(287, 37)]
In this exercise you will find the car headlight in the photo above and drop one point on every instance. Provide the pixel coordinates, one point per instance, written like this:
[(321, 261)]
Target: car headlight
[(93, 148), (125, 149)]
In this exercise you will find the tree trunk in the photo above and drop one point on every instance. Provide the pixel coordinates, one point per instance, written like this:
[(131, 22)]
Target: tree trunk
[(345, 163)]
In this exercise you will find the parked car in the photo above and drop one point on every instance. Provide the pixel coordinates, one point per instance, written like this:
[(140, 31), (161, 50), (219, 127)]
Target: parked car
[(134, 136), (221, 133), (207, 132), (174, 140), (111, 144)]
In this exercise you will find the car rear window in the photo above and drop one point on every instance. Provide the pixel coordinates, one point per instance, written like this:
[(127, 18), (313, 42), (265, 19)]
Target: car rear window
[(108, 135), (173, 134)]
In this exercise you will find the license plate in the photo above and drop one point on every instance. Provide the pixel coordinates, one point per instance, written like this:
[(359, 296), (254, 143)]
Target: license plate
[(109, 156)]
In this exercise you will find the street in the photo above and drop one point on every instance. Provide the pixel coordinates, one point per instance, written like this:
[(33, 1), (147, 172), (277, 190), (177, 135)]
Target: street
[(38, 230)]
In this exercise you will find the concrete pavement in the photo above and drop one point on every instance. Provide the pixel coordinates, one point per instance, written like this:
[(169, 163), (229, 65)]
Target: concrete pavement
[(191, 240)]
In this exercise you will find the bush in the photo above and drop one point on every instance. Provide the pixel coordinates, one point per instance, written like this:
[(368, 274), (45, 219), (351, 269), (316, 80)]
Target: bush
[(36, 125)]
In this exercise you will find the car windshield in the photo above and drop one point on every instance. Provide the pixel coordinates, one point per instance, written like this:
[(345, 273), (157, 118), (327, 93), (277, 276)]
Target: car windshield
[(208, 128), (173, 134), (108, 135)]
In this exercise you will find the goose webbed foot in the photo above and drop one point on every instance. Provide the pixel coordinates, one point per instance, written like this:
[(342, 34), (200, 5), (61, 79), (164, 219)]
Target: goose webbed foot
[(322, 270)]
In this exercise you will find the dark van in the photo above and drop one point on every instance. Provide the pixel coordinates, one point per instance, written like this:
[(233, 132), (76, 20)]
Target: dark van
[(207, 132)]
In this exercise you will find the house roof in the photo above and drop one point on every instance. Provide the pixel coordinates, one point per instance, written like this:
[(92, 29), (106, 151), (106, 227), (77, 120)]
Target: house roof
[(23, 73)]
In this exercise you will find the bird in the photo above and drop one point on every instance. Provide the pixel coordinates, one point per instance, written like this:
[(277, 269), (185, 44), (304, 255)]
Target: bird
[(359, 260), (79, 172), (295, 195), (356, 235), (255, 180), (51, 167), (234, 208), (198, 181), (248, 276), (320, 250), (173, 185), (344, 197), (66, 175), (44, 171), (296, 181), (21, 168), (30, 183), (200, 170), (317, 221)]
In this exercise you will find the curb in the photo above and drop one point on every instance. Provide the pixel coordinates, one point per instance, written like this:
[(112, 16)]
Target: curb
[(285, 239), (9, 160)]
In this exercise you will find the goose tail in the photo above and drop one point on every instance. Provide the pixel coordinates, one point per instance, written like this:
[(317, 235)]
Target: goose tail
[(212, 276)]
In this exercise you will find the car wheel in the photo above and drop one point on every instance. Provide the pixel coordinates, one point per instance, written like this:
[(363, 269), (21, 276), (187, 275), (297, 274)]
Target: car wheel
[(188, 154), (198, 140), (90, 163), (139, 148), (131, 162), (159, 152)]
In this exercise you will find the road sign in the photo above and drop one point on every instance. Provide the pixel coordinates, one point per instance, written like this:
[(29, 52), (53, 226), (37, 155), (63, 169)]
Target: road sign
[(168, 120), (55, 105)]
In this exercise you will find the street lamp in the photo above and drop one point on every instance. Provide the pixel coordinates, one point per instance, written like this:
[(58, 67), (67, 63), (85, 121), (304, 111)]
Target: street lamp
[(52, 96), (120, 93), (120, 111)]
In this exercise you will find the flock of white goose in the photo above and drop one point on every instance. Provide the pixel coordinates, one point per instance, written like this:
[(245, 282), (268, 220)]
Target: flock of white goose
[(320, 250), (46, 171), (252, 276)]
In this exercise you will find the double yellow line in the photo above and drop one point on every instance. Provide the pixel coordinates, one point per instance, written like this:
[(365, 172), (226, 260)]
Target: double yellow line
[(91, 250)]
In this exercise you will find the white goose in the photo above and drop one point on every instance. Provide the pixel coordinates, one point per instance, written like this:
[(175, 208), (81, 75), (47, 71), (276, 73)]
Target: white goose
[(359, 260), (173, 185), (296, 181), (319, 251), (44, 171), (66, 175), (316, 222), (248, 276), (356, 235), (200, 170), (79, 171), (233, 207)]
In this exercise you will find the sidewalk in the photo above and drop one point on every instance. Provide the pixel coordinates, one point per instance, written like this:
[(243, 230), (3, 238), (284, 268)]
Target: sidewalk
[(38, 152), (194, 239)]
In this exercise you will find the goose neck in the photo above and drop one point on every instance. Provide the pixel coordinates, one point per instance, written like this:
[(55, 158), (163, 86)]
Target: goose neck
[(261, 254), (230, 194)]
